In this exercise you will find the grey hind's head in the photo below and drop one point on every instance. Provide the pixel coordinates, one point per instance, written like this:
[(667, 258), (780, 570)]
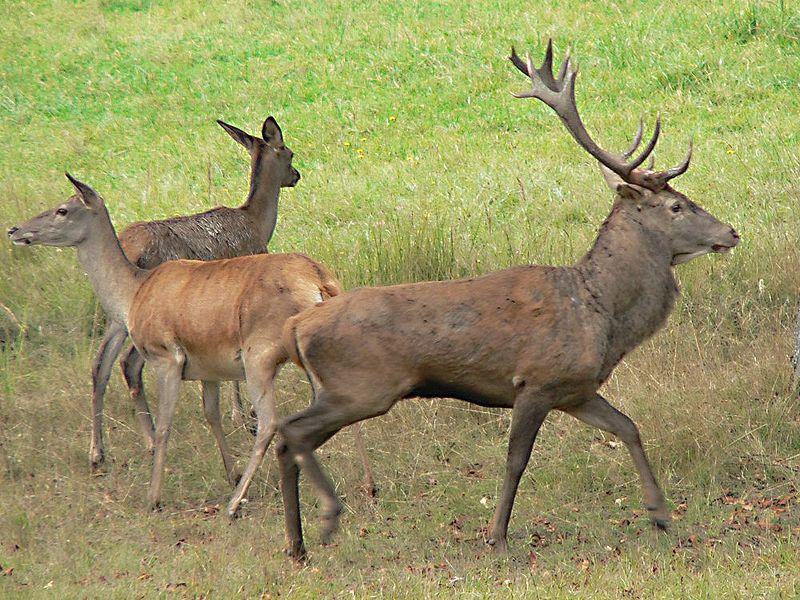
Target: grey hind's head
[(67, 224), (271, 158)]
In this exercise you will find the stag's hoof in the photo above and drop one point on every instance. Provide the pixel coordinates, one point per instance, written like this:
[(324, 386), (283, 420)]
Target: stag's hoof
[(498, 545), (96, 460), (297, 553), (155, 506)]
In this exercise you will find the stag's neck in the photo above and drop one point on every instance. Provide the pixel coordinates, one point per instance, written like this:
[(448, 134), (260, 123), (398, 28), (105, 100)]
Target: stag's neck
[(629, 274), (114, 279), (262, 203)]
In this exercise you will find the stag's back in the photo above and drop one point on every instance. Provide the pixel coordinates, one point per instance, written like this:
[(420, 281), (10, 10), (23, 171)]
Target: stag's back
[(212, 235)]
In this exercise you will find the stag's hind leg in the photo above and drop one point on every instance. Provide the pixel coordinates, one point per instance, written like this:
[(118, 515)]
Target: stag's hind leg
[(303, 433), (109, 349), (260, 370), (132, 366), (599, 413), (211, 412)]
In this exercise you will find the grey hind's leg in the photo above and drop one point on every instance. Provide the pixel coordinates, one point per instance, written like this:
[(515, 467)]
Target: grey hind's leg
[(526, 419), (211, 412), (132, 365), (599, 413), (107, 354)]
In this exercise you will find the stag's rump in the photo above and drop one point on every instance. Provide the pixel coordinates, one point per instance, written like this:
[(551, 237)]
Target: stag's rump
[(475, 339)]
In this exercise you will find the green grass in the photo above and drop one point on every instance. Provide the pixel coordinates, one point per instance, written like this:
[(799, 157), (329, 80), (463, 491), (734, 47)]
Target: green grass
[(417, 164)]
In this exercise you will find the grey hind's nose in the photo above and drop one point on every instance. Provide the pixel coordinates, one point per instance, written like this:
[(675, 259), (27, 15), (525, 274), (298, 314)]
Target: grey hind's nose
[(12, 231)]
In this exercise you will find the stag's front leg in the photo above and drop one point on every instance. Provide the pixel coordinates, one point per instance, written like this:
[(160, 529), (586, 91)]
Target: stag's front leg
[(599, 413), (101, 371), (526, 419), (168, 376)]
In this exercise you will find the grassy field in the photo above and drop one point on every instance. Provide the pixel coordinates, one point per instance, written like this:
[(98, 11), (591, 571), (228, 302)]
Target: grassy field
[(417, 164)]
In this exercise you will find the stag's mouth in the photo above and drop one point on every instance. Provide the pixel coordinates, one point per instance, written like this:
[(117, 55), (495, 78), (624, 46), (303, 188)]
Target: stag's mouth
[(720, 248)]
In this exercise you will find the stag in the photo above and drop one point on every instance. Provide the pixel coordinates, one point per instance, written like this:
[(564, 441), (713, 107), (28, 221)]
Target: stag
[(529, 338), (222, 232), (210, 321)]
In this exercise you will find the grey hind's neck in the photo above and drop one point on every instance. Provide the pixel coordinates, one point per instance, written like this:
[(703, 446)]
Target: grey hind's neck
[(262, 205), (114, 279), (628, 272)]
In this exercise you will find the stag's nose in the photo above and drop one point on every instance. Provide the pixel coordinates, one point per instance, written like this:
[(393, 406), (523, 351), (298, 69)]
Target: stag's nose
[(12, 231)]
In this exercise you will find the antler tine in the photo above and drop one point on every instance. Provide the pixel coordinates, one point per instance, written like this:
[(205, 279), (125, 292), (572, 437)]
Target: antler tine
[(636, 140), (680, 169), (518, 62), (650, 146), (565, 68)]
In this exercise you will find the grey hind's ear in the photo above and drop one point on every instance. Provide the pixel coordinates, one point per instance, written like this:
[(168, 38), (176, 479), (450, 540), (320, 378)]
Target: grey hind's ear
[(271, 132), (242, 137), (85, 192)]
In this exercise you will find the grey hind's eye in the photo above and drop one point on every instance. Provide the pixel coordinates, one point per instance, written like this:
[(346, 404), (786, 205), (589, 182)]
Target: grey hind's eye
[(61, 211), (676, 208)]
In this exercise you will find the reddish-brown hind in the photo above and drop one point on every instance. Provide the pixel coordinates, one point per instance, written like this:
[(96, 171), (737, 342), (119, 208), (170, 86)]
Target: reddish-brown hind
[(530, 338), (222, 232), (209, 321)]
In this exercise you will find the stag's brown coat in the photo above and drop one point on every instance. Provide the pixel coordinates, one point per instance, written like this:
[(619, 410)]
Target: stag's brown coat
[(530, 338)]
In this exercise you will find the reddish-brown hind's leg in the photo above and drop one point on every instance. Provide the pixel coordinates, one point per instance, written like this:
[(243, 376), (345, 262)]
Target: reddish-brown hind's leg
[(211, 412)]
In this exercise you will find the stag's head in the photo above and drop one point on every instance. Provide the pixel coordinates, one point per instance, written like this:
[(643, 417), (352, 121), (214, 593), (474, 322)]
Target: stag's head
[(270, 157), (690, 230), (68, 224)]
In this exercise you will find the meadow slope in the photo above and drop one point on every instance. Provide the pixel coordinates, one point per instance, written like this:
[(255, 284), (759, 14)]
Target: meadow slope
[(417, 164)]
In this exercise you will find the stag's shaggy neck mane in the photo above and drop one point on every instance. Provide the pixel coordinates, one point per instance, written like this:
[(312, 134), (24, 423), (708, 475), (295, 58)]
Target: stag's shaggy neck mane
[(114, 279), (262, 199), (629, 274)]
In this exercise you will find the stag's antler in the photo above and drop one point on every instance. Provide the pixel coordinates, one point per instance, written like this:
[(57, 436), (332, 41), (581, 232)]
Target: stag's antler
[(559, 94)]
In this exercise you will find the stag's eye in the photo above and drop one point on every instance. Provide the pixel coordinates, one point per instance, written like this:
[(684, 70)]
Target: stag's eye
[(676, 208), (61, 212)]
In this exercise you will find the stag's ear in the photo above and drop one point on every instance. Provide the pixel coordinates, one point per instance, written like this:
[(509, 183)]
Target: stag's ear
[(242, 137), (271, 132), (629, 191), (87, 195), (613, 181)]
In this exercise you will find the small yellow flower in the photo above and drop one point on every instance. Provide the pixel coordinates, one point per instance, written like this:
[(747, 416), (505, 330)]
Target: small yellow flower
[(363, 139), (731, 151), (347, 144), (392, 118)]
